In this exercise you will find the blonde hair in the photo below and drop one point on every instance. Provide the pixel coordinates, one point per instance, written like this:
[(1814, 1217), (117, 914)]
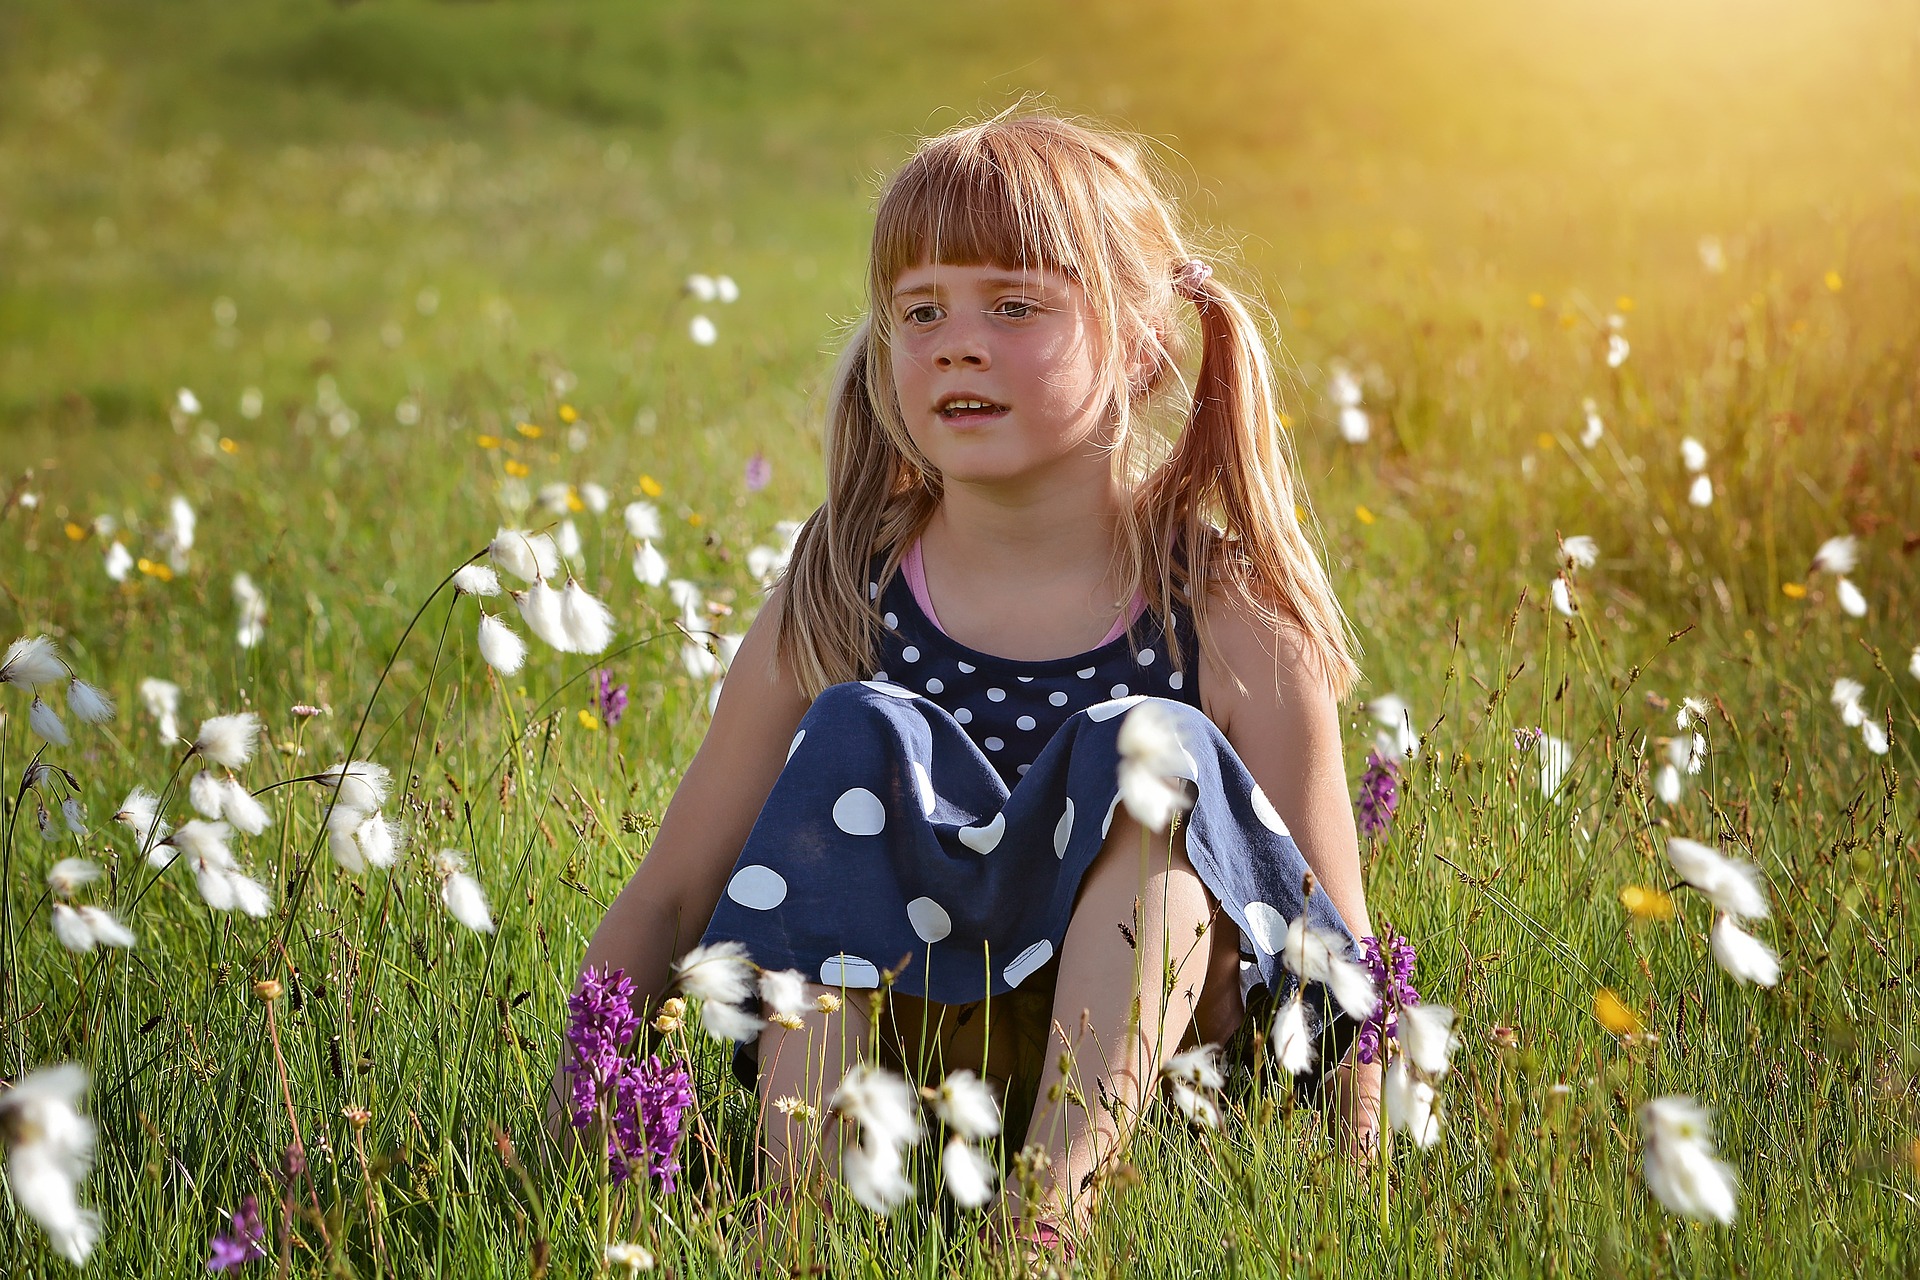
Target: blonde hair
[(1024, 190)]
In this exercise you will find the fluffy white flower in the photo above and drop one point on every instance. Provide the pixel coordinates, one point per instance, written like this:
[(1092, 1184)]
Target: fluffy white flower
[(1425, 1031), (719, 972), (566, 537), (88, 704), (1687, 751), (32, 661), (119, 561), (785, 991), (379, 840), (1693, 454), (1682, 1169), (1913, 663), (882, 1103), (69, 874), (588, 622), (1580, 551), (1595, 428), (179, 533), (594, 497), (161, 699), (1846, 697), (207, 795), (1396, 739), (527, 556), (186, 402), (1852, 603), (1618, 349), (1837, 555), (1315, 956), (229, 739), (1556, 759), (643, 520), (1198, 1066), (70, 930), (649, 566), (1355, 425), (1666, 785), (1152, 763), (461, 893), (76, 815), (84, 928), (251, 605), (725, 289), (686, 598), (1342, 387), (635, 1258), (766, 563), (1873, 736), (969, 1176), (49, 1150), (966, 1105), (1741, 954), (876, 1176), (1196, 1105), (730, 1022), (699, 661), (1700, 492), (140, 814), (500, 645), (1733, 886), (362, 784), (204, 841), (1292, 1037), (1412, 1104), (45, 721), (540, 610), (476, 580), (246, 814), (702, 287), (556, 497), (702, 331), (342, 823), (1562, 595), (1691, 710)]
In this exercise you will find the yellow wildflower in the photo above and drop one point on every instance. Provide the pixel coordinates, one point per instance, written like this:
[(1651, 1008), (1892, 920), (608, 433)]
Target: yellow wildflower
[(515, 467), (1366, 516), (1544, 440), (527, 429), (569, 414), (488, 442), (1614, 1014), (1793, 591), (1833, 281), (1647, 903), (228, 445), (75, 532), (650, 486), (588, 720), (1536, 300)]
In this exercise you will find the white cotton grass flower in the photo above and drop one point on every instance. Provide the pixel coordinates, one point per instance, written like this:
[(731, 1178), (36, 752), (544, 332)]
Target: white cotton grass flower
[(81, 929), (228, 739), (730, 1022), (649, 566), (702, 331), (1846, 696), (527, 556), (1731, 885), (342, 823), (1195, 1078), (1742, 955), (1580, 551), (967, 1174), (1852, 603), (179, 533), (643, 520), (686, 598), (876, 1176), (1151, 763), (1413, 1106), (1396, 738), (361, 784), (540, 609), (49, 1151), (1562, 595), (1691, 710), (1293, 1035), (1316, 956), (557, 497), (460, 893), (588, 622), (251, 604), (1595, 427), (702, 287), (1618, 349), (119, 561), (630, 1257), (140, 814), (242, 810), (594, 497), (785, 992), (965, 1104), (1837, 555), (1874, 737), (45, 722), (1688, 752), (1667, 785), (476, 580), (207, 795), (1913, 663), (725, 289), (1682, 1169), (88, 704), (32, 661), (1425, 1033), (719, 972), (1344, 390), (1693, 454), (68, 874), (1556, 761), (1700, 492), (500, 645), (881, 1103), (161, 700), (566, 538)]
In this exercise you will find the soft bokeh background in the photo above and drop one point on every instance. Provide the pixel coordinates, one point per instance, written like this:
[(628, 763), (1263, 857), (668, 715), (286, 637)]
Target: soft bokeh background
[(411, 227)]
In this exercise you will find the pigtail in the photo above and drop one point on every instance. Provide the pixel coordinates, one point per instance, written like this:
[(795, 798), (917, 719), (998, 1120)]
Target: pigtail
[(1226, 495), (878, 496)]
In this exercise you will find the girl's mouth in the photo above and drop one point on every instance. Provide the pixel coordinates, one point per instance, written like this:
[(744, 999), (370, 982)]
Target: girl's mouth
[(971, 411)]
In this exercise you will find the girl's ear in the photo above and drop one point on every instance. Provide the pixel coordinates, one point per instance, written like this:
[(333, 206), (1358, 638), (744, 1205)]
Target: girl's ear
[(1143, 367)]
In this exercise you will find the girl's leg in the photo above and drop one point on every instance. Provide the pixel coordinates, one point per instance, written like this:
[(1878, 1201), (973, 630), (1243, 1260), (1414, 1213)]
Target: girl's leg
[(1080, 1115), (807, 1064)]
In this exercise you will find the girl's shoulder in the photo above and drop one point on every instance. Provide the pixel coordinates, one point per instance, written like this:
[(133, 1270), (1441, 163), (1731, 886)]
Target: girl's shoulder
[(1258, 658)]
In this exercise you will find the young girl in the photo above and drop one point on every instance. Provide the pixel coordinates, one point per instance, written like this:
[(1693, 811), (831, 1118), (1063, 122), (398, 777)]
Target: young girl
[(912, 767)]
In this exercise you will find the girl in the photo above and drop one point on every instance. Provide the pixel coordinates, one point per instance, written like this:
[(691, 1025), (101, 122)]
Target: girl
[(912, 767)]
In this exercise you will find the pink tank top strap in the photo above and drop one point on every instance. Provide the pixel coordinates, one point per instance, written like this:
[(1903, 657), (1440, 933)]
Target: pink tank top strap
[(914, 569)]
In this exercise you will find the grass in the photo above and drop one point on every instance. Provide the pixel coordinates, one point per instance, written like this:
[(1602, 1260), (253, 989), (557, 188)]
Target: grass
[(486, 210)]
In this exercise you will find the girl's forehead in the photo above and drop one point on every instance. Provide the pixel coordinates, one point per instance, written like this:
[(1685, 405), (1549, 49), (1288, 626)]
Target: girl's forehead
[(924, 275)]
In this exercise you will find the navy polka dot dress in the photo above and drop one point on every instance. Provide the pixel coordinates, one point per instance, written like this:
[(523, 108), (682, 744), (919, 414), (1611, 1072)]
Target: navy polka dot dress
[(944, 812)]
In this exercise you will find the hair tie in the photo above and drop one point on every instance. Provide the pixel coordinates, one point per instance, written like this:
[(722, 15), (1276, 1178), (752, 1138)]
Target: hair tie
[(1189, 276)]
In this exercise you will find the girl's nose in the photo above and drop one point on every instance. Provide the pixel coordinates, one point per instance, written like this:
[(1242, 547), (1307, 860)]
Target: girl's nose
[(962, 346)]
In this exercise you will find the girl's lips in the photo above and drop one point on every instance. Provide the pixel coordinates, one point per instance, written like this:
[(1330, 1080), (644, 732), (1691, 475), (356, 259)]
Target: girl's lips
[(968, 417)]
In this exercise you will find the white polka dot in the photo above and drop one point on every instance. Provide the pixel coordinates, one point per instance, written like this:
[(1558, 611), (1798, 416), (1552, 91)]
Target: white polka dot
[(1063, 832), (1269, 816), (891, 619), (880, 684), (1144, 657), (1177, 679), (967, 668), (1118, 691), (858, 812), (1106, 823), (1267, 927), (1026, 722), (929, 919), (761, 888), (996, 695), (795, 744), (910, 653), (1057, 699), (1108, 710), (879, 675), (1027, 961), (1024, 679), (936, 685), (1021, 769), (984, 839), (844, 970), (1086, 673), (873, 591), (925, 783), (963, 716), (993, 744)]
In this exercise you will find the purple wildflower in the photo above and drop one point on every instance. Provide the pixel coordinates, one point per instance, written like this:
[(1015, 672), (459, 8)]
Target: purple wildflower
[(759, 472), (609, 699), (1379, 794), (1391, 965), (247, 1243), (643, 1102), (1525, 740), (653, 1099)]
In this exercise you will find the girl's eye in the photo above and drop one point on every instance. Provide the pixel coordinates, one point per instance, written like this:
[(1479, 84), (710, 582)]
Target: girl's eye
[(916, 316), (1023, 309)]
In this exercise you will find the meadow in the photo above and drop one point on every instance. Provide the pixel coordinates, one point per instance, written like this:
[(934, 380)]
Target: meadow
[(361, 284)]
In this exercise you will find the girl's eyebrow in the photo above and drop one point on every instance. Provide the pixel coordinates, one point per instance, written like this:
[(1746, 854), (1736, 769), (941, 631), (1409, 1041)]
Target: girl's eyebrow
[(991, 282)]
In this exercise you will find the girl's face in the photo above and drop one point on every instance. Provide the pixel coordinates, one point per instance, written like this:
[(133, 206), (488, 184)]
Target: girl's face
[(1022, 342)]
